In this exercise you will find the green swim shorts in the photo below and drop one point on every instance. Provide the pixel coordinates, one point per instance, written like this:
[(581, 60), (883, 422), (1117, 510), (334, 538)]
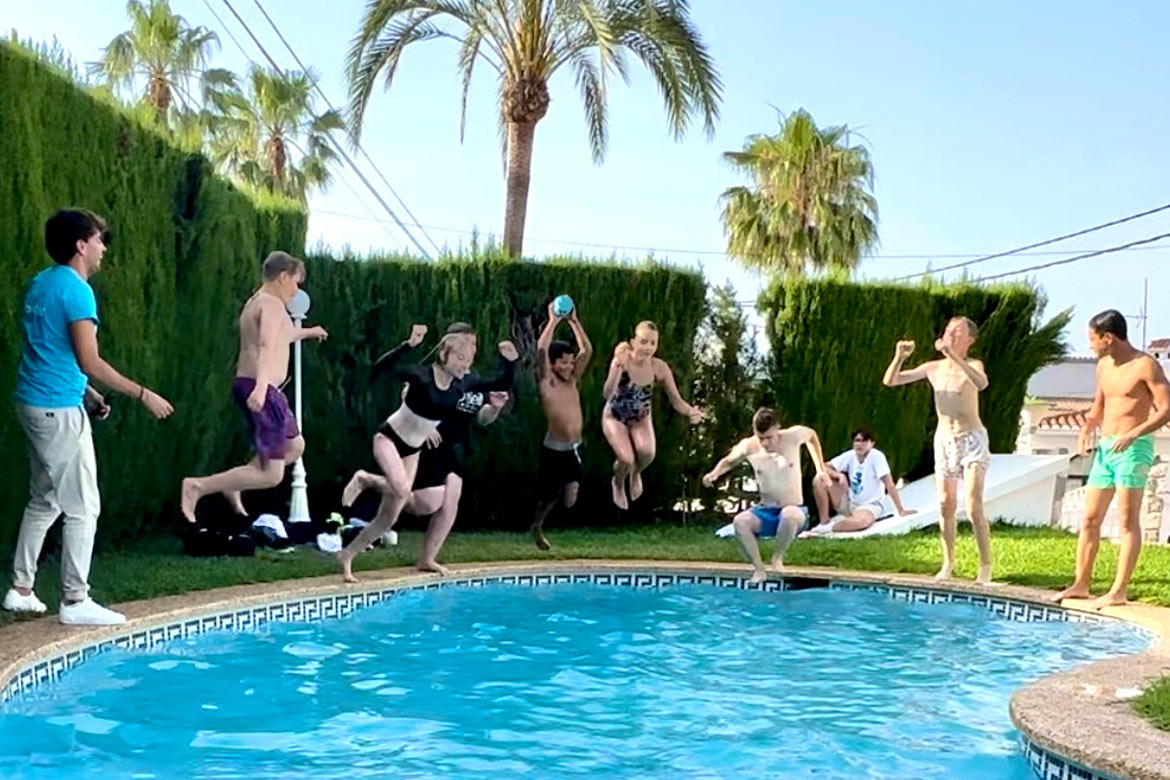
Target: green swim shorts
[(1126, 469)]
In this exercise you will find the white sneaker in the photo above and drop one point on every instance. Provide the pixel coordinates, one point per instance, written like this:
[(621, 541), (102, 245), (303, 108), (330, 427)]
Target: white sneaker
[(90, 613), (14, 602)]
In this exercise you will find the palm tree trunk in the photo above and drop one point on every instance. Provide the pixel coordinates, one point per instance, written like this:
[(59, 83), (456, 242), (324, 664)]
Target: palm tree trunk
[(520, 135)]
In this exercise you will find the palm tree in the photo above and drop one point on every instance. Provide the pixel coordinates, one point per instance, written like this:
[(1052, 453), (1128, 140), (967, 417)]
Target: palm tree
[(527, 41), (811, 202), (270, 137), (155, 61)]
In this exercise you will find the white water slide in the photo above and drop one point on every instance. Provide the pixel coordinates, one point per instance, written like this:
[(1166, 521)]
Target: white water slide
[(1020, 490)]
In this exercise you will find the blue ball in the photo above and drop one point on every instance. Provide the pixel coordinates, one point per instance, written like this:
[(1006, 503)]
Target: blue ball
[(562, 305)]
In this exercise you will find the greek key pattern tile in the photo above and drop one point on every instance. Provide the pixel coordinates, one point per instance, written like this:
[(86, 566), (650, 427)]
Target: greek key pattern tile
[(1049, 766), (324, 607)]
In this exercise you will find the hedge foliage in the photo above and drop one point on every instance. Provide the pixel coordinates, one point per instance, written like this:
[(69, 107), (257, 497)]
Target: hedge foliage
[(186, 249), (186, 253), (831, 341), (369, 305)]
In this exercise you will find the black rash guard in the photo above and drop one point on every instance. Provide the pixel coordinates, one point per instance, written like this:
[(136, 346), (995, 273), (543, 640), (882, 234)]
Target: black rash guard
[(424, 398)]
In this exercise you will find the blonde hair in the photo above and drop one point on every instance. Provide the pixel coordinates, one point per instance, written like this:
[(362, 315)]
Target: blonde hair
[(648, 324), (449, 342), (972, 328), (278, 263)]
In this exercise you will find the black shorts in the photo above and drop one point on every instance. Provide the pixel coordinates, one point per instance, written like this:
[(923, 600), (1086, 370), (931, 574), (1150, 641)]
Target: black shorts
[(404, 449), (559, 468), (435, 463)]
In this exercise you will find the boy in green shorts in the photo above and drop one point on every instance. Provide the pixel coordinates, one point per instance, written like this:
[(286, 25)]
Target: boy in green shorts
[(1131, 403)]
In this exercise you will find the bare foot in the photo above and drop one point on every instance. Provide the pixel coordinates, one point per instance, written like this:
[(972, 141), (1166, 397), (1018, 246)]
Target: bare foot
[(189, 496), (357, 485), (758, 576), (778, 567), (538, 537), (346, 562), (619, 494), (945, 572), (1071, 592), (635, 485), (984, 577), (437, 568), (235, 502), (1110, 599)]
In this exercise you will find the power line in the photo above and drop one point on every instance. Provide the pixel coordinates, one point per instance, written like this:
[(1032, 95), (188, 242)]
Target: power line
[(704, 252), (360, 148), (342, 179), (337, 147), (1073, 259), (1130, 218)]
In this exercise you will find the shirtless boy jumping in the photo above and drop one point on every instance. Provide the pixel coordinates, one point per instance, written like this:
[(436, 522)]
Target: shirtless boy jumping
[(1132, 402), (266, 331), (774, 455), (560, 369), (961, 447)]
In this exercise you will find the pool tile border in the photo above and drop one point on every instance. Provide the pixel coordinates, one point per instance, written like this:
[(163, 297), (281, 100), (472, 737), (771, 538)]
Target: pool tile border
[(1049, 766), (319, 607)]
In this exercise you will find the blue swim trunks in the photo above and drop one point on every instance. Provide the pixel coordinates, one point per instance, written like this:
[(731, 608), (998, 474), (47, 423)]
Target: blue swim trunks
[(769, 517)]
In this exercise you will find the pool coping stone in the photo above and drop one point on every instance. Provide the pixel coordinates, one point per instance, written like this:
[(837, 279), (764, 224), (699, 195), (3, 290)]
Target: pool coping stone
[(1070, 721)]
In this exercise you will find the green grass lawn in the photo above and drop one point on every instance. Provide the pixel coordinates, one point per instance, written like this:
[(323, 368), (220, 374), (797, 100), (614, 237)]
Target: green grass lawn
[(1154, 704), (1035, 557), (1040, 558)]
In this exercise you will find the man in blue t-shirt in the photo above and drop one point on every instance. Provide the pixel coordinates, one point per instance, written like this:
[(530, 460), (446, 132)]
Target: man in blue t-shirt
[(52, 395)]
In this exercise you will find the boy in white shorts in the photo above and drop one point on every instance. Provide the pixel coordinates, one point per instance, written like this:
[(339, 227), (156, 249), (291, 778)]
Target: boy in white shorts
[(961, 446)]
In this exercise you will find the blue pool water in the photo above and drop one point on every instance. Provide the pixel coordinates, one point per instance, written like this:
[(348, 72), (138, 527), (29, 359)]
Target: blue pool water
[(563, 682)]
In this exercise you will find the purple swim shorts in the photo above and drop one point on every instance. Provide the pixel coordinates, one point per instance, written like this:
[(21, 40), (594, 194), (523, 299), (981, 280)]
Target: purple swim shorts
[(273, 426)]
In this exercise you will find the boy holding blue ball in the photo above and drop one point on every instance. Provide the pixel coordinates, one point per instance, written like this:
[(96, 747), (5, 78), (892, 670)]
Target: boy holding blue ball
[(561, 368)]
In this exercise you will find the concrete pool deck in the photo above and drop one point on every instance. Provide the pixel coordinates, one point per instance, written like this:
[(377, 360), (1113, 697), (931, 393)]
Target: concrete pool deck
[(1082, 715)]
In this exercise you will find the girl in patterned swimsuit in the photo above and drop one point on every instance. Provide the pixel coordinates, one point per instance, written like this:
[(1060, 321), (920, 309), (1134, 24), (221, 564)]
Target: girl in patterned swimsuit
[(626, 419)]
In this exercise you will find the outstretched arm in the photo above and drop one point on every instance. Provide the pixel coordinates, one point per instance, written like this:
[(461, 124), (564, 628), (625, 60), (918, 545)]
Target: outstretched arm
[(895, 496), (542, 343), (813, 443), (489, 412), (585, 351), (83, 335), (507, 377), (317, 333), (663, 374), (388, 361), (728, 462), (972, 368), (895, 375), (621, 354)]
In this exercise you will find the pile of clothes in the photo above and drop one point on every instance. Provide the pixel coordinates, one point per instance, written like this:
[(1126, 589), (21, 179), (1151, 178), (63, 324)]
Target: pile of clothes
[(240, 536)]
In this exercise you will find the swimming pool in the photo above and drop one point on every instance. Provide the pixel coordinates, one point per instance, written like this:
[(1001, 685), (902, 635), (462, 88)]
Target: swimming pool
[(567, 680)]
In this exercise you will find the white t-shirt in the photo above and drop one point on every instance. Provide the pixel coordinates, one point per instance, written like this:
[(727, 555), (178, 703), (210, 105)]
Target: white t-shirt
[(865, 478)]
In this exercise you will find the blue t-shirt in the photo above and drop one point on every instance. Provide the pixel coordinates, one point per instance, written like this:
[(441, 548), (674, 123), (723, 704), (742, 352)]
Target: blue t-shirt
[(49, 375)]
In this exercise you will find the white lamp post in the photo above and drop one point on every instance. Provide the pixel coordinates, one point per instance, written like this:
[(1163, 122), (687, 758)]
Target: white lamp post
[(298, 511)]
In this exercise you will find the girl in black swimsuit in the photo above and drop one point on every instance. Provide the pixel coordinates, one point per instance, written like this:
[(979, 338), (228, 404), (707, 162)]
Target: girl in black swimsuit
[(626, 421), (432, 393)]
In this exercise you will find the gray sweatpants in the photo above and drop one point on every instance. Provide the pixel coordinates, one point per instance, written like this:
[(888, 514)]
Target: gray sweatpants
[(63, 482)]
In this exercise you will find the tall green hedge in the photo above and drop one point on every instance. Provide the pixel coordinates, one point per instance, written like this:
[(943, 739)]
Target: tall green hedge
[(186, 253), (186, 248), (832, 340), (368, 306)]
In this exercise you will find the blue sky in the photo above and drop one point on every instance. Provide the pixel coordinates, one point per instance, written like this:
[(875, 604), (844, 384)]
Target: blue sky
[(992, 125)]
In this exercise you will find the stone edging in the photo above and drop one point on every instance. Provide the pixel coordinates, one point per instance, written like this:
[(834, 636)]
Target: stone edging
[(1069, 721)]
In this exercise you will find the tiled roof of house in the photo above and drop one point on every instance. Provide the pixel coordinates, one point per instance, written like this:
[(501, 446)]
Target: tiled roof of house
[(1067, 415)]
